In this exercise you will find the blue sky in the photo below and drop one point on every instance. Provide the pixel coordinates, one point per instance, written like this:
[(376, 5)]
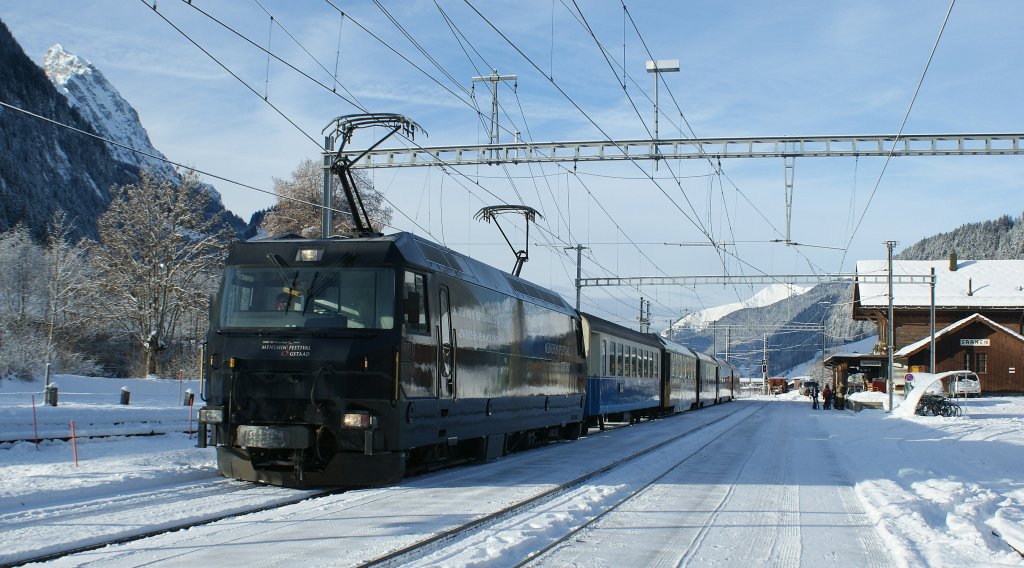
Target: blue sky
[(747, 69)]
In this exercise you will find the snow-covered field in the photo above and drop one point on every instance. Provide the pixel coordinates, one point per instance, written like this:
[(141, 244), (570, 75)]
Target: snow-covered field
[(938, 491)]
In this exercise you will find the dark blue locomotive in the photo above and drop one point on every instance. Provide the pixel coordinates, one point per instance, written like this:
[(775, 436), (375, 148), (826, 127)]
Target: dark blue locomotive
[(347, 362)]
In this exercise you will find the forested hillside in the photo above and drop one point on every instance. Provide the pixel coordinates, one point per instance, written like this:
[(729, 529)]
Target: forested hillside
[(45, 168), (1001, 239)]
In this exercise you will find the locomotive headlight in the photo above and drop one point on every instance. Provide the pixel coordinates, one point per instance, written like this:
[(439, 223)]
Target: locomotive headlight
[(361, 420), (309, 255), (211, 415)]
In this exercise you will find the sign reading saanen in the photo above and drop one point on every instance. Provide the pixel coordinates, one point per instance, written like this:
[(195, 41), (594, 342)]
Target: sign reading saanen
[(975, 342)]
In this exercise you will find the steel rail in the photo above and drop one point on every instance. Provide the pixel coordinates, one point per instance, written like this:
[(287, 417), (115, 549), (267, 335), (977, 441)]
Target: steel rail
[(632, 494), (439, 541), (156, 532)]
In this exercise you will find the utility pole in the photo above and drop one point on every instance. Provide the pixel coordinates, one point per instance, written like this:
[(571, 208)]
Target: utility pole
[(889, 338), (657, 67), (645, 322), (579, 267), (931, 327), (494, 78), (823, 354), (764, 366), (327, 219)]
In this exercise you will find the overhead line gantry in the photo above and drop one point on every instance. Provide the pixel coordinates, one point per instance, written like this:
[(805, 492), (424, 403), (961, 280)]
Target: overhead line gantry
[(697, 148)]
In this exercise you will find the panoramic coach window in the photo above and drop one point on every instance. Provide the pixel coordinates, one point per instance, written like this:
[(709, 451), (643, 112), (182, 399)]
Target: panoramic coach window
[(414, 302), (604, 357), (314, 298)]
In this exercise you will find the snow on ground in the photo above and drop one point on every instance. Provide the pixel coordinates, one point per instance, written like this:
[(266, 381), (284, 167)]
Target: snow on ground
[(941, 491)]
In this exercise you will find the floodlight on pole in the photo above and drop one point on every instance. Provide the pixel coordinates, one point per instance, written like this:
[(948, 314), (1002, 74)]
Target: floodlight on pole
[(657, 67)]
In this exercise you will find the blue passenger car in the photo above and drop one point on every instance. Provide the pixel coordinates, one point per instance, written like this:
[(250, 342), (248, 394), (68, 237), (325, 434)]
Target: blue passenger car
[(679, 374), (728, 377), (623, 372), (707, 379)]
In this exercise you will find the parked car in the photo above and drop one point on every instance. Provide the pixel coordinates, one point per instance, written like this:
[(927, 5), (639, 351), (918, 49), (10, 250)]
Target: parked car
[(964, 384), (778, 385)]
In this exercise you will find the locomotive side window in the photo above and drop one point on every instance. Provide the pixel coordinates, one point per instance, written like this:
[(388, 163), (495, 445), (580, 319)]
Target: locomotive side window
[(414, 297)]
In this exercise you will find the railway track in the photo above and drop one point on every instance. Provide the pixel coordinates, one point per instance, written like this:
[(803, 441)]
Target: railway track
[(215, 489), (466, 536), (377, 526)]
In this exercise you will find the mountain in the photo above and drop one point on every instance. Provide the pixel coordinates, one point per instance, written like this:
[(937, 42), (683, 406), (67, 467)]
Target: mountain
[(45, 167), (770, 295), (89, 92), (784, 315), (113, 118)]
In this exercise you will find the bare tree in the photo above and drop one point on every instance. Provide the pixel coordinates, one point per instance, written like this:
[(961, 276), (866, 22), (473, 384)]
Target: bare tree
[(299, 198), (156, 256), (21, 302), (67, 277)]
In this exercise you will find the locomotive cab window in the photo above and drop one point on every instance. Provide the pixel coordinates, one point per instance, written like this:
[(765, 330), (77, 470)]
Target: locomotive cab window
[(309, 297), (414, 303)]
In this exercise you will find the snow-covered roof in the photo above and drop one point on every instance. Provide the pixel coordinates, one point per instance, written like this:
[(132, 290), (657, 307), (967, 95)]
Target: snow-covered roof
[(991, 283), (918, 345)]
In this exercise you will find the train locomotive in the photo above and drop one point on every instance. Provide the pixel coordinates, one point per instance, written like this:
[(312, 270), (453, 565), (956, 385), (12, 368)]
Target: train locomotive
[(340, 361), (351, 361)]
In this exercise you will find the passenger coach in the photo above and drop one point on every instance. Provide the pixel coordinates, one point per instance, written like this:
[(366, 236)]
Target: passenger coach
[(679, 377), (623, 373)]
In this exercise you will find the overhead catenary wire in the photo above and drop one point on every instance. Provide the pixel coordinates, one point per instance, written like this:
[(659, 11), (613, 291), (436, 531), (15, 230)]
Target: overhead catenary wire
[(232, 73), (162, 159), (899, 134), (590, 119), (481, 187)]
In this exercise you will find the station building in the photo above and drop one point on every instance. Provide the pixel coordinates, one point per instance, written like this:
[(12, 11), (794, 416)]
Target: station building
[(979, 316)]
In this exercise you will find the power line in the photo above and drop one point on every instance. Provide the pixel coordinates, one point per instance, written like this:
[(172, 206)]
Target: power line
[(232, 73), (906, 116), (162, 159)]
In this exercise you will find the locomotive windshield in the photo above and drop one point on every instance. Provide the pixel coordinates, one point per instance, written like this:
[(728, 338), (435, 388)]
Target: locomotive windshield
[(320, 298)]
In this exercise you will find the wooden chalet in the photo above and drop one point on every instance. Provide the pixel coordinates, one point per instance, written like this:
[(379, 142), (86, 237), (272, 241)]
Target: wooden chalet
[(979, 316), (977, 343)]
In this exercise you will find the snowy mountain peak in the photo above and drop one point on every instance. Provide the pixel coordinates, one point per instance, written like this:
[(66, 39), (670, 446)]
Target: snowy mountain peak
[(769, 295), (89, 92), (60, 66)]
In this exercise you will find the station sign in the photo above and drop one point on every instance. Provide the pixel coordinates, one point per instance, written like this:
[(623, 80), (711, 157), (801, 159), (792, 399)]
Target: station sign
[(870, 363), (975, 342)]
